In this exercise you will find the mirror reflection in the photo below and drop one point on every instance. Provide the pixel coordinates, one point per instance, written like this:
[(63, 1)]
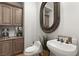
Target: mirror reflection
[(48, 15)]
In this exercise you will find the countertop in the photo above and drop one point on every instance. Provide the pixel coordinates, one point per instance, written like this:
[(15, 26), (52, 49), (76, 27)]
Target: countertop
[(9, 38)]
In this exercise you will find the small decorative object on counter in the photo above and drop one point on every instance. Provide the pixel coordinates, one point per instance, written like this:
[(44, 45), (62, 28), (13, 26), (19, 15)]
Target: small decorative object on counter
[(5, 32), (19, 31)]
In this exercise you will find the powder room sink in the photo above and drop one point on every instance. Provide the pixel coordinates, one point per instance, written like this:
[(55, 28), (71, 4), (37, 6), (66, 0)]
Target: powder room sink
[(59, 48)]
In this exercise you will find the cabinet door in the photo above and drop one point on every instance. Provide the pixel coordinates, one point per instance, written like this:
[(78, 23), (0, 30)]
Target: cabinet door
[(0, 48), (17, 16), (0, 14), (15, 46), (18, 46), (7, 47), (7, 14), (22, 44)]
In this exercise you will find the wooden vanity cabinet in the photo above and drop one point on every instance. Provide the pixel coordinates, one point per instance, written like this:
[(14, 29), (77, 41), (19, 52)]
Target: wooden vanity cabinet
[(11, 47)]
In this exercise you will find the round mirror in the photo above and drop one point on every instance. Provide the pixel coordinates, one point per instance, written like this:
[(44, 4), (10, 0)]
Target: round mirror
[(49, 16)]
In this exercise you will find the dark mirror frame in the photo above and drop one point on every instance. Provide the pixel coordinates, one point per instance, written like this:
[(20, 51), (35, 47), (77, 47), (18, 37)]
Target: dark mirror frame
[(56, 17)]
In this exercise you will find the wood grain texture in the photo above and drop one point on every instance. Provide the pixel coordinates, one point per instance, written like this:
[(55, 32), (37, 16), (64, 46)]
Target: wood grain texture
[(0, 48), (0, 14), (10, 15), (7, 14), (17, 16), (11, 47), (7, 48), (18, 46)]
